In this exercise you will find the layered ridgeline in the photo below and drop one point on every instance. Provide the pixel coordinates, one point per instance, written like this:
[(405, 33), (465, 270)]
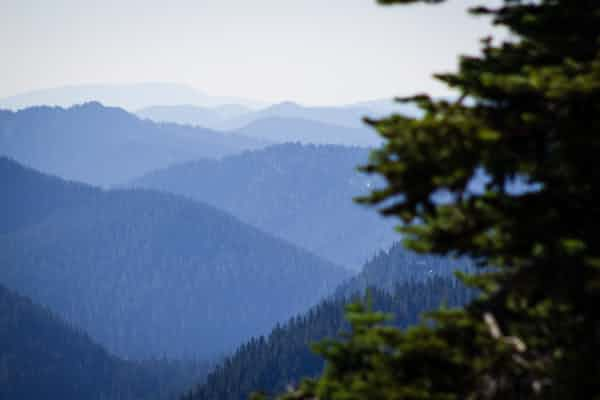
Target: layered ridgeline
[(214, 117), (399, 265), (105, 146), (283, 122), (301, 193), (285, 130), (234, 115), (150, 274), (43, 357), (269, 364)]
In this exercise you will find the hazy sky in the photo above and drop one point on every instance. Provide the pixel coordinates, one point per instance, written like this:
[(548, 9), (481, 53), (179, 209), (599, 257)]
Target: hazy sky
[(311, 51)]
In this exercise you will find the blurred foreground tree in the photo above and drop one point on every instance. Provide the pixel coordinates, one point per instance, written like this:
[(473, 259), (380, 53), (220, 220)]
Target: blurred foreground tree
[(516, 160)]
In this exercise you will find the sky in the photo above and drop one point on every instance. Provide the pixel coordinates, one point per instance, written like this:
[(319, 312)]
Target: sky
[(314, 52)]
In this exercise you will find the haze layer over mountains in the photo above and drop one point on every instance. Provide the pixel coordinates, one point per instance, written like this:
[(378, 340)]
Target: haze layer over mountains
[(128, 96), (145, 243), (173, 103)]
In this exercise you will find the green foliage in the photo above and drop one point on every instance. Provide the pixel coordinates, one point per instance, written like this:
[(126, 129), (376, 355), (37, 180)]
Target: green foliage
[(528, 115)]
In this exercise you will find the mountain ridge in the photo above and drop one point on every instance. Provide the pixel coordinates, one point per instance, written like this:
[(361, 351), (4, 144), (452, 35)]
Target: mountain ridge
[(118, 262), (301, 193), (105, 145)]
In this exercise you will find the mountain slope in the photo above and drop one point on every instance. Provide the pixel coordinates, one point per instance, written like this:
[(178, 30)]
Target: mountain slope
[(43, 357), (149, 274), (104, 146), (301, 193), (269, 364), (400, 282)]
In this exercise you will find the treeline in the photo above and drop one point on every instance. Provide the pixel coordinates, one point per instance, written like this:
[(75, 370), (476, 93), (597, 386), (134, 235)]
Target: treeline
[(269, 364)]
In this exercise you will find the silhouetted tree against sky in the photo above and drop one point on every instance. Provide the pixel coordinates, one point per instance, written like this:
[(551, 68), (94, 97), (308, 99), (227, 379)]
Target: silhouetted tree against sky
[(528, 114)]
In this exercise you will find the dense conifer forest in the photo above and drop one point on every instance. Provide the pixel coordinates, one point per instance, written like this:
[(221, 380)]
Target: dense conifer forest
[(270, 363), (43, 357)]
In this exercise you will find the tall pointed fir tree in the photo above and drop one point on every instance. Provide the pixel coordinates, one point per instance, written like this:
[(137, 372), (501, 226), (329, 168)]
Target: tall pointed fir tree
[(527, 122)]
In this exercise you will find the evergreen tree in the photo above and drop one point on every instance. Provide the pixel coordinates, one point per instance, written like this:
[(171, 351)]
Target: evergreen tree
[(528, 115)]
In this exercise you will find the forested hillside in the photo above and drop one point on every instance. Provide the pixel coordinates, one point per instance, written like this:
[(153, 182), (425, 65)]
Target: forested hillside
[(104, 146), (28, 196), (42, 357), (150, 274), (270, 363), (301, 193)]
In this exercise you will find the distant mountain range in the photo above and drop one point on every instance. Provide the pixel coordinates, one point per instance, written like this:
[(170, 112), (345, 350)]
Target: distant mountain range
[(347, 116), (286, 122), (104, 145), (149, 274), (231, 117), (45, 358), (182, 104), (218, 117), (213, 118), (286, 130), (301, 193), (129, 96)]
